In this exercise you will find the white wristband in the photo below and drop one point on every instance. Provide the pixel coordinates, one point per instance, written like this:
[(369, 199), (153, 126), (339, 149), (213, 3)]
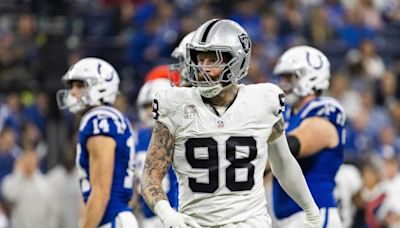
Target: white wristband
[(163, 209), (312, 212)]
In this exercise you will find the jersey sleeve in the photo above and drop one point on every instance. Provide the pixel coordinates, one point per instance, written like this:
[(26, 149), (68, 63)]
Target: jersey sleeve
[(276, 99), (163, 109), (327, 108)]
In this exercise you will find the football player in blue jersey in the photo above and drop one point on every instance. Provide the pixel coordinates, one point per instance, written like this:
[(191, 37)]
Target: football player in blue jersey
[(170, 184), (105, 150), (315, 133)]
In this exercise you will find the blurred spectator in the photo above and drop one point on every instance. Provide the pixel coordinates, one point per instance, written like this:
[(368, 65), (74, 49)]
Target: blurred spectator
[(350, 99), (388, 143), (255, 73), (166, 34), (391, 9), (354, 30), (32, 139), (38, 111), (64, 182), (9, 151), (243, 12), (371, 191), (4, 114), (269, 41), (371, 15), (355, 69), (336, 13), (318, 30), (373, 64), (25, 189), (359, 140), (379, 116), (18, 51), (291, 22), (388, 89), (137, 49), (99, 21), (389, 212), (14, 118), (395, 114)]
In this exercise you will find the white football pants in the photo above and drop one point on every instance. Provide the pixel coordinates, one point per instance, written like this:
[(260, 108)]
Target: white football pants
[(124, 219)]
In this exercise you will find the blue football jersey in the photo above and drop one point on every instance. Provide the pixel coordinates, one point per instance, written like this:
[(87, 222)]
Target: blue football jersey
[(170, 183), (319, 169), (108, 121)]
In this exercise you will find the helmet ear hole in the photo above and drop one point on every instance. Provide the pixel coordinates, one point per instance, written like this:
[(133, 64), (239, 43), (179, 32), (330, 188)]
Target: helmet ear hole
[(317, 92), (227, 57), (193, 55)]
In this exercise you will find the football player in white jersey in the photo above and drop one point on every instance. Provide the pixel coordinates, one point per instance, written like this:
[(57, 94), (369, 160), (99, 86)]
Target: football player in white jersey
[(105, 150), (218, 136)]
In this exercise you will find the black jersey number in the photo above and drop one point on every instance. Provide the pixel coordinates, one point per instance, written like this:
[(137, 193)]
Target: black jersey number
[(155, 109), (211, 163), (281, 97)]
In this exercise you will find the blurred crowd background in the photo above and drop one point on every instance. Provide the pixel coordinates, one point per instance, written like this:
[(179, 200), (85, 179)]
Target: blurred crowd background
[(40, 39)]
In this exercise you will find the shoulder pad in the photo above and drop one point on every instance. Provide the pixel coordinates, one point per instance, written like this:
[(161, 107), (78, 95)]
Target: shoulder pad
[(326, 107), (103, 120)]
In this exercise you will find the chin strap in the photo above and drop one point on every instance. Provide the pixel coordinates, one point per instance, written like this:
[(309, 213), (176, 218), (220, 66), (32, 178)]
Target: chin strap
[(210, 91)]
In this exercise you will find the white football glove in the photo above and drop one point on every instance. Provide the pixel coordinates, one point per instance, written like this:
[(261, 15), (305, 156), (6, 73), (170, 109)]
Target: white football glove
[(173, 219), (313, 218)]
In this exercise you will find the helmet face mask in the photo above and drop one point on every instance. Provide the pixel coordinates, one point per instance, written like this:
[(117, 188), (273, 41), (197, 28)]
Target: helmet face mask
[(288, 82), (66, 100), (101, 85), (180, 69), (232, 48), (200, 74)]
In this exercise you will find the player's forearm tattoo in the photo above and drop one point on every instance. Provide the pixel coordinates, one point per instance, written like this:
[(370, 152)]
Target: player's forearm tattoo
[(277, 130), (158, 160)]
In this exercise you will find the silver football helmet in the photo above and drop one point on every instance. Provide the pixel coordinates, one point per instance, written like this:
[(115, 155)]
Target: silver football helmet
[(179, 54), (228, 40)]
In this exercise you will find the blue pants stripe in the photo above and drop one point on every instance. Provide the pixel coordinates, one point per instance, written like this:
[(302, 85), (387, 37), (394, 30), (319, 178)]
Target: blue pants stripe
[(326, 217)]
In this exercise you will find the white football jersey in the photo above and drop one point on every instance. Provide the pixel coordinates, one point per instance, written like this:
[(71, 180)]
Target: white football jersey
[(220, 160), (348, 183)]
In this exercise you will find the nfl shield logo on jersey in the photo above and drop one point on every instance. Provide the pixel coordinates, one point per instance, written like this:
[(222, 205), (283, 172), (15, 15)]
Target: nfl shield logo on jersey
[(220, 123)]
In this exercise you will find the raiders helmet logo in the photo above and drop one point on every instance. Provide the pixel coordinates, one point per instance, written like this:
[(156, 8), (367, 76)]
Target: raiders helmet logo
[(245, 41)]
